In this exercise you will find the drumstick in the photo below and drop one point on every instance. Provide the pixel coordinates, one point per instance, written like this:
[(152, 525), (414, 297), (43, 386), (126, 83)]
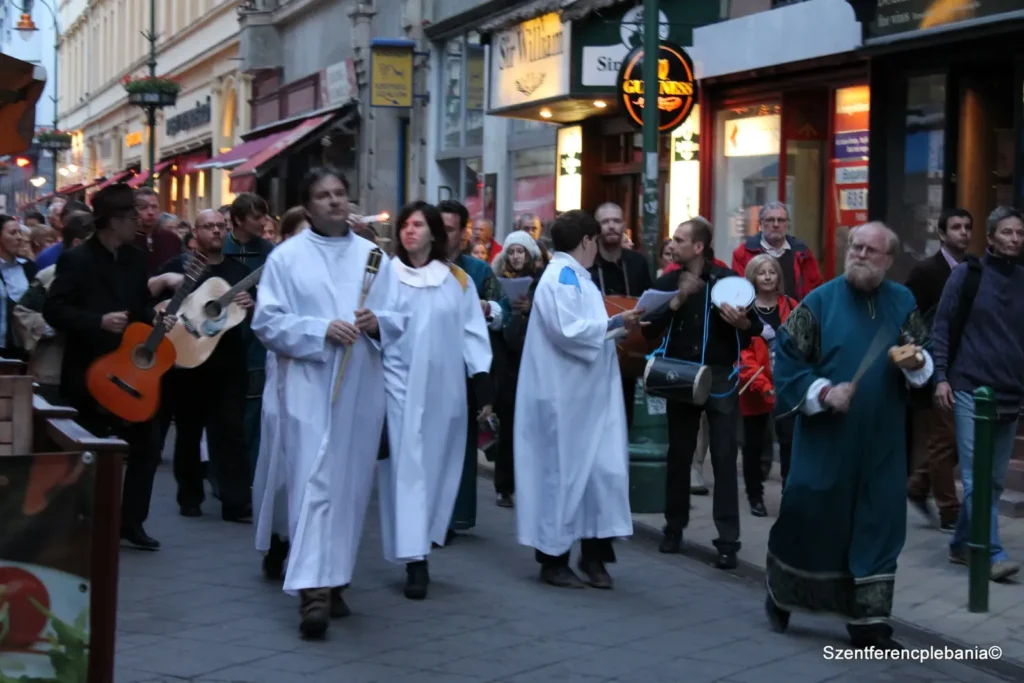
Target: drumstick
[(750, 381)]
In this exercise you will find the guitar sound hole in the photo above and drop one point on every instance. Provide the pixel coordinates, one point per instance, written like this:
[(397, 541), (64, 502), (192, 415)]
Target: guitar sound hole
[(142, 358), (212, 309)]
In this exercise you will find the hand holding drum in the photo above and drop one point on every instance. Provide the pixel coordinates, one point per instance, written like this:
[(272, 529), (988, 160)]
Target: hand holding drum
[(733, 296)]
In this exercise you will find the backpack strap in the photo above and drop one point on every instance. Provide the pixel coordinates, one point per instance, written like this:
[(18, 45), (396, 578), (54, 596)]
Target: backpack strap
[(972, 281)]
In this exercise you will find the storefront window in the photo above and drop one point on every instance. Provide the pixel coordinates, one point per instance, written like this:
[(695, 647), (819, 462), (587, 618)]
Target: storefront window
[(746, 171), (923, 168), (451, 119), (533, 183), (475, 70), (473, 186)]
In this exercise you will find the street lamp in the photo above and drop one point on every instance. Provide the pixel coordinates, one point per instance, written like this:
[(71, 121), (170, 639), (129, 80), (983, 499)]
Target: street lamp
[(26, 27)]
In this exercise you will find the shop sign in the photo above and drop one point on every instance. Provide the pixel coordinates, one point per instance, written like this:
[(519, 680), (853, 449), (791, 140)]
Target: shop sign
[(133, 139), (677, 88), (753, 136), (391, 71), (529, 63), (893, 17), (600, 43), (684, 172), (197, 116), (338, 83), (851, 123)]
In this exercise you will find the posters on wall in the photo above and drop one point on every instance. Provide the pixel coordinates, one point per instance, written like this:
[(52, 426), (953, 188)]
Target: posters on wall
[(45, 541), (848, 181)]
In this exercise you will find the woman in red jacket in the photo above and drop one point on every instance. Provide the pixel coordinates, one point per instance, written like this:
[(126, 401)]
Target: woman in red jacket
[(758, 399)]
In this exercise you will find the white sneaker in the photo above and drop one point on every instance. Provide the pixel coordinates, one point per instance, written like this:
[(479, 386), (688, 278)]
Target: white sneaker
[(697, 485)]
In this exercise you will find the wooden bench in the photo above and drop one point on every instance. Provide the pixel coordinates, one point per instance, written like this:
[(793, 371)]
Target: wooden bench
[(15, 414)]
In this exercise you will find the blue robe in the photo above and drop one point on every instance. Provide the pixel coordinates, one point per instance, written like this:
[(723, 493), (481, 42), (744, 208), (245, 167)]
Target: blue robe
[(464, 513), (842, 521), (252, 254)]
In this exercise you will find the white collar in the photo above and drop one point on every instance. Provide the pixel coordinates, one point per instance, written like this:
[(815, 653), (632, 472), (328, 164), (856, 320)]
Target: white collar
[(774, 251), (430, 275), (564, 259)]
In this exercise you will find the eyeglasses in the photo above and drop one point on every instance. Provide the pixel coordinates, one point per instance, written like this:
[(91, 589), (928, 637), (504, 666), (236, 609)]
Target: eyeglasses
[(867, 250), (774, 221)]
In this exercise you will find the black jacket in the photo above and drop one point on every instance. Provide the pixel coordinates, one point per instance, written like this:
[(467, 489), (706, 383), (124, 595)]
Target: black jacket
[(686, 326), (926, 280), (89, 283), (631, 276)]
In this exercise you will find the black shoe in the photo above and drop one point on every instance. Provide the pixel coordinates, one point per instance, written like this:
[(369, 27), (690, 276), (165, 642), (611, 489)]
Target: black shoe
[(560, 577), (416, 579), (505, 500), (449, 537), (137, 537), (878, 642), (190, 511), (339, 609), (596, 574), (670, 544), (242, 514), (924, 508), (313, 612), (947, 527), (778, 618), (274, 560), (726, 560), (757, 508)]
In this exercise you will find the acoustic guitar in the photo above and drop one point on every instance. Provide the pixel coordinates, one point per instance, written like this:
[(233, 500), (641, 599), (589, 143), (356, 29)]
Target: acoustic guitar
[(127, 381), (633, 349), (205, 315)]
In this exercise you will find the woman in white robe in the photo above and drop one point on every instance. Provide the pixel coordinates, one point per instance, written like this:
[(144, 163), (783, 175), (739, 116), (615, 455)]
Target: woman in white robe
[(445, 339), (570, 443), (308, 313)]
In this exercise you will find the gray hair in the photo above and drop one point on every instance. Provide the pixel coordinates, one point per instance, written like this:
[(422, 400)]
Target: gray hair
[(770, 206), (892, 240), (1000, 214)]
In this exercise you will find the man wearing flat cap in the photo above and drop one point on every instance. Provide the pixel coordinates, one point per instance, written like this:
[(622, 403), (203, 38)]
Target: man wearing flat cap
[(100, 287)]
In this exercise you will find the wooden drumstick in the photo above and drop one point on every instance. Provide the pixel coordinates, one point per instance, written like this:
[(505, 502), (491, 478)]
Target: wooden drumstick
[(751, 380)]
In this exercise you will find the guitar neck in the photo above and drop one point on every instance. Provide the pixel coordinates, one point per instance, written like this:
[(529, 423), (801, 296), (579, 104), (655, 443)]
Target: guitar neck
[(246, 283), (191, 278)]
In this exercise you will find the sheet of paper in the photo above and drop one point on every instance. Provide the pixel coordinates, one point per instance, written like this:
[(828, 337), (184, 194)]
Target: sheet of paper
[(652, 300), (515, 287)]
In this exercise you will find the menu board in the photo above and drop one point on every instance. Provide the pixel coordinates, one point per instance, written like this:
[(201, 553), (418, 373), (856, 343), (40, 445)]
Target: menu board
[(893, 17)]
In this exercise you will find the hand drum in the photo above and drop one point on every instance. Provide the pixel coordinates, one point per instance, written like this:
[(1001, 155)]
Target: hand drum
[(633, 349)]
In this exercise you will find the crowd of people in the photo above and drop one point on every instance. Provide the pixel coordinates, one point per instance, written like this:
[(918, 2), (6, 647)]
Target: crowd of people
[(360, 367)]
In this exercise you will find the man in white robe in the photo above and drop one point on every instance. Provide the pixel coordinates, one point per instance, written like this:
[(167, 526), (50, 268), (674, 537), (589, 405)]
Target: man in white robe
[(571, 446), (445, 339), (308, 314)]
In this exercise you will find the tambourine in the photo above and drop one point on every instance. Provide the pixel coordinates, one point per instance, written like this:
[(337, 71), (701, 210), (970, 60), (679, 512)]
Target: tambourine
[(735, 291)]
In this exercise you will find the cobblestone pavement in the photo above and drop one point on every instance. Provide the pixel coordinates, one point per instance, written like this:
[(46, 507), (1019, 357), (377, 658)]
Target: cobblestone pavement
[(200, 611)]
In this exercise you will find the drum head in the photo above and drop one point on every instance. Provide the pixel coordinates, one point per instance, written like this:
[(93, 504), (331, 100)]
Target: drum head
[(735, 291), (702, 385)]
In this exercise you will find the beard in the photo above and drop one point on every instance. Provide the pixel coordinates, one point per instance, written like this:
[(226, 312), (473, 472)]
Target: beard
[(611, 239), (864, 276)]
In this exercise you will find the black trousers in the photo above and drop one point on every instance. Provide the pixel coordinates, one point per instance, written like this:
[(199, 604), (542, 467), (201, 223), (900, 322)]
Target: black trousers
[(591, 549), (628, 391), (683, 423), (214, 402), (143, 439), (756, 437)]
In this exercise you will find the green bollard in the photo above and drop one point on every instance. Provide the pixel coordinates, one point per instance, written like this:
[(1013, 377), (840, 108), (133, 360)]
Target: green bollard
[(648, 453), (981, 500)]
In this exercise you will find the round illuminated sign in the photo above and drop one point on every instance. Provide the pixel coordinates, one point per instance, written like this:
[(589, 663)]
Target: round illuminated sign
[(677, 88)]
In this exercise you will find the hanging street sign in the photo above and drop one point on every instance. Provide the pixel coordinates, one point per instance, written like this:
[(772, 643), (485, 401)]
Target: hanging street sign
[(677, 87)]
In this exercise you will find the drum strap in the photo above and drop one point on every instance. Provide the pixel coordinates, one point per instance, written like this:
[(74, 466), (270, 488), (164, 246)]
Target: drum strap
[(625, 276), (734, 375)]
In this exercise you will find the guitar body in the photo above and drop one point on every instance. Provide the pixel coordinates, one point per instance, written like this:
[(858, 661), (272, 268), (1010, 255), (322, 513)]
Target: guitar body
[(202, 323), (127, 381), (633, 349)]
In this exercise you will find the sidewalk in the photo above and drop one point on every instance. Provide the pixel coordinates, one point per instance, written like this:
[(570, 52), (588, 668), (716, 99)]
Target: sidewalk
[(931, 593)]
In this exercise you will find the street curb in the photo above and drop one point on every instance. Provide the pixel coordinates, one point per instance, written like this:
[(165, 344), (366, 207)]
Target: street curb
[(1008, 669)]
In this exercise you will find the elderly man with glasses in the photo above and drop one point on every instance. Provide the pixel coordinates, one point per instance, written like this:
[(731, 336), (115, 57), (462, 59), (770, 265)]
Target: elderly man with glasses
[(800, 271)]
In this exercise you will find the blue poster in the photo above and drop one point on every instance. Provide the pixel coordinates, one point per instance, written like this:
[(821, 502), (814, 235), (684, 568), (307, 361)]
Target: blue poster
[(852, 144)]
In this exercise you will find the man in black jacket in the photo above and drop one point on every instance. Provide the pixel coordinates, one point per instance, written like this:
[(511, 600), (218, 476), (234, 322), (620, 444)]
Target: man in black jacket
[(101, 287), (619, 272), (933, 444), (728, 331)]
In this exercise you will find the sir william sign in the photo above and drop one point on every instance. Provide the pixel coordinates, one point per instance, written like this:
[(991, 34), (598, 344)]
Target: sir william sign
[(677, 88)]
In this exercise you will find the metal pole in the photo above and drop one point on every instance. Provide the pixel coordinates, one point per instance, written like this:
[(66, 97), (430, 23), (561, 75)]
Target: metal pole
[(151, 109), (650, 133), (981, 499)]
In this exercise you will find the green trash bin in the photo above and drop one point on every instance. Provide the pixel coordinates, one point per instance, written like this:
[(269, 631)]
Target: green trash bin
[(648, 453)]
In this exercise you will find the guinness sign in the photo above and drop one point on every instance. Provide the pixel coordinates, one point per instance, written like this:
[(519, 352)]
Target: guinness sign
[(677, 88)]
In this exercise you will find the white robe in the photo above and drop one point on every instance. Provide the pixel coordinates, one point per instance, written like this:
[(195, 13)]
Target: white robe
[(570, 443), (445, 338), (326, 451), (269, 490)]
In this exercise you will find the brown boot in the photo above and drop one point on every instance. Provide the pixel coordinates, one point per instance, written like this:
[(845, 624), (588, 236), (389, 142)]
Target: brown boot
[(338, 607), (314, 610)]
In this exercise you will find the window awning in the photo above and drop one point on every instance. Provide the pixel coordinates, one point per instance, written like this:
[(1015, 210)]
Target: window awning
[(77, 187), (116, 178), (239, 154), (243, 178), (141, 178)]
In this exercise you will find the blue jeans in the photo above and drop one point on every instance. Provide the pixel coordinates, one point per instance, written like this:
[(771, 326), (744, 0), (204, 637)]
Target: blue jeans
[(1004, 439)]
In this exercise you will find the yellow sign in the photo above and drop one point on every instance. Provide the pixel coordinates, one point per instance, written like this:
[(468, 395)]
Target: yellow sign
[(391, 70), (133, 139)]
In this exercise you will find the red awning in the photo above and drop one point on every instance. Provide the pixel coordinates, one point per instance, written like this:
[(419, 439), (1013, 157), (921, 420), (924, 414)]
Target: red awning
[(189, 163), (77, 187), (237, 156), (141, 178), (116, 178), (243, 178)]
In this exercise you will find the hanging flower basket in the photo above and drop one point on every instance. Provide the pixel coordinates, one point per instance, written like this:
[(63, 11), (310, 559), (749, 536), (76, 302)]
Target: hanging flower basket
[(151, 92), (54, 140)]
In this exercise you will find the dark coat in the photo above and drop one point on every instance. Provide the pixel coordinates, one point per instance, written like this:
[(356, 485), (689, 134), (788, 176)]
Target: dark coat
[(926, 280), (91, 282)]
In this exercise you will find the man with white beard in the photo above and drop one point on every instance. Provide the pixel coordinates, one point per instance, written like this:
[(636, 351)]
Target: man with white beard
[(309, 314), (842, 522)]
